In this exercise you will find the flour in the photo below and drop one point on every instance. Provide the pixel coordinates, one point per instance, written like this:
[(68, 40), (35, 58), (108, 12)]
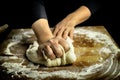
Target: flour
[(16, 68), (100, 70), (98, 37), (8, 57), (7, 50)]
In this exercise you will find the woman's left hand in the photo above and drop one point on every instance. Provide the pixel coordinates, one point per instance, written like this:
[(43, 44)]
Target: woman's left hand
[(65, 28)]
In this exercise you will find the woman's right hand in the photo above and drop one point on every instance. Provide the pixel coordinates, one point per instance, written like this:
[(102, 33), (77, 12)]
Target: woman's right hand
[(52, 49)]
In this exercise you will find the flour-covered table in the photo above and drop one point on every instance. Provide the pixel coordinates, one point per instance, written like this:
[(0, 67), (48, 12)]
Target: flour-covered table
[(98, 57)]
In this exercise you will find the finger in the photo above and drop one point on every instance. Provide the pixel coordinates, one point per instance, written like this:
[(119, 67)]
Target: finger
[(65, 34), (60, 32), (40, 51), (64, 44), (56, 30), (71, 34), (48, 52), (56, 49)]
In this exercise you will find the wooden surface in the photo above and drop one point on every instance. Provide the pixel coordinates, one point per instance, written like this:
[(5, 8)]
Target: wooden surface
[(86, 51)]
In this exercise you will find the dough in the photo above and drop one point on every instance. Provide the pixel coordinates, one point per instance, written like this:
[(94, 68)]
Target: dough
[(67, 58)]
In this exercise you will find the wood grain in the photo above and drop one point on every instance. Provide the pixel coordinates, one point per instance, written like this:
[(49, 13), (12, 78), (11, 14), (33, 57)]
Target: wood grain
[(86, 51)]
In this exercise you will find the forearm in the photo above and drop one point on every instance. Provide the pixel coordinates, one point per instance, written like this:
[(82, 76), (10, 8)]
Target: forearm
[(42, 30), (80, 15)]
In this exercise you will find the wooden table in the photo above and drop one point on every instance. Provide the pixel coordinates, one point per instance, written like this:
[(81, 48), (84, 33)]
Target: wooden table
[(94, 47)]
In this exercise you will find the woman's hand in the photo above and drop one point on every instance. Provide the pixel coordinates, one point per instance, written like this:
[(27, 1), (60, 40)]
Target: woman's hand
[(52, 49), (65, 27)]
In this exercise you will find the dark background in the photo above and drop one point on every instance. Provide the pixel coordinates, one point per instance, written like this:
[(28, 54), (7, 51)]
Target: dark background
[(107, 15)]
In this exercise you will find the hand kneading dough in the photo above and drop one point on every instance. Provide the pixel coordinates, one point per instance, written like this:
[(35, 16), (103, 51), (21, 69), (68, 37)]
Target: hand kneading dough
[(67, 58)]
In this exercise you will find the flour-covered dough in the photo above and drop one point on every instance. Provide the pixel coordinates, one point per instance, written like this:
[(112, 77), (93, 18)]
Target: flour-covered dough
[(68, 58)]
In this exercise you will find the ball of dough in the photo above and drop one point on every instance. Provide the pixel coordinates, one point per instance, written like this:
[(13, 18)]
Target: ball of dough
[(68, 58)]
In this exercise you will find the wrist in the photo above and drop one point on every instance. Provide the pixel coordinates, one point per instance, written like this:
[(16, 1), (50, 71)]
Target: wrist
[(42, 30), (43, 39)]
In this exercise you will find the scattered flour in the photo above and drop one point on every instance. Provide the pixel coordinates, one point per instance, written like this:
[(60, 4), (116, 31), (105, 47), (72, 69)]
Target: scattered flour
[(7, 50), (32, 72), (99, 38), (17, 68)]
